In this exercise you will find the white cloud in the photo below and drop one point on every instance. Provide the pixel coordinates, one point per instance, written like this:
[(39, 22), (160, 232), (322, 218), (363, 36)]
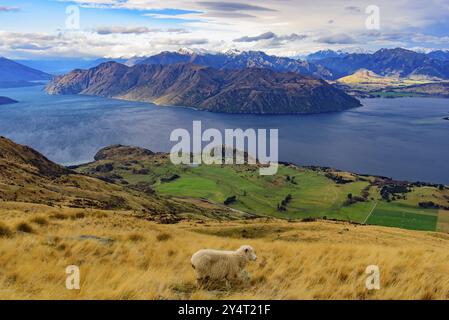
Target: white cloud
[(106, 30), (340, 38), (92, 44), (8, 9)]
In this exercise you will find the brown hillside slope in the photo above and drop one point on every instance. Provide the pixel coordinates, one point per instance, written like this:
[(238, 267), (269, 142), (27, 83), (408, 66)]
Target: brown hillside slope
[(27, 176)]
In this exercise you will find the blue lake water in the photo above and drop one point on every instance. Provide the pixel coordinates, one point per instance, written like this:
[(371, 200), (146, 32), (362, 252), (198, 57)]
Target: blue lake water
[(404, 138)]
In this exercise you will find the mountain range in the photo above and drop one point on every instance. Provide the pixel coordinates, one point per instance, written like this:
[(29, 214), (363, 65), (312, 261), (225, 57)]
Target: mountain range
[(248, 90), (404, 67), (386, 62), (13, 74), (238, 60), (326, 64)]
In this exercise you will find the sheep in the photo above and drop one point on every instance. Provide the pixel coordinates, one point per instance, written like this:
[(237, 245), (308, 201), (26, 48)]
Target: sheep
[(219, 265)]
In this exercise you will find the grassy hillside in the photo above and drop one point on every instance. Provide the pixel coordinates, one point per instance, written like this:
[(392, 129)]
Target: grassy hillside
[(366, 79), (121, 256), (293, 193)]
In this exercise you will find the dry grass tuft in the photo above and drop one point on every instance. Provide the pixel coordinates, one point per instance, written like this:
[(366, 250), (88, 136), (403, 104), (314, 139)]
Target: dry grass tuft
[(78, 215), (59, 216), (24, 227), (136, 237), (163, 237), (40, 221), (5, 231)]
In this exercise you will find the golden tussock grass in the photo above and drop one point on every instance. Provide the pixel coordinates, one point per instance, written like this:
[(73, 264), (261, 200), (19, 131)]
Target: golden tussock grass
[(123, 257)]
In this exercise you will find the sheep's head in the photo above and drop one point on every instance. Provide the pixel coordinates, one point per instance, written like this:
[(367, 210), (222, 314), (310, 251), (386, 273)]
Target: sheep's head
[(249, 252)]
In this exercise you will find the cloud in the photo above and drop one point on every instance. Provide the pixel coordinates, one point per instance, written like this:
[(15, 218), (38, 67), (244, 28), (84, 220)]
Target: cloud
[(271, 36), (98, 4), (228, 15), (353, 9), (91, 44), (231, 6), (124, 30), (292, 37), (177, 30), (263, 36), (421, 38), (173, 14), (30, 47), (340, 38), (9, 9), (183, 42), (107, 30)]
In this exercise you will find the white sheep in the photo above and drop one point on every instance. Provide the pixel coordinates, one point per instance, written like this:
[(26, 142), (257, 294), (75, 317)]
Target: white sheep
[(216, 265)]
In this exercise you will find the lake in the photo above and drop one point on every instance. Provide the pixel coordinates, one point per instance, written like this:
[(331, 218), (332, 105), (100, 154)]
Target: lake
[(404, 138)]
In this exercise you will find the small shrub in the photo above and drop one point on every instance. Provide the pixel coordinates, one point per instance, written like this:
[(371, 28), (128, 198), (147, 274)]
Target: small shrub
[(5, 232), (230, 200), (24, 227), (163, 237), (62, 247), (40, 221)]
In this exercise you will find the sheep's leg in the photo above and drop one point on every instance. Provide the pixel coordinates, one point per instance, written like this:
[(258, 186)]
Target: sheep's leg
[(228, 281), (228, 284), (203, 282)]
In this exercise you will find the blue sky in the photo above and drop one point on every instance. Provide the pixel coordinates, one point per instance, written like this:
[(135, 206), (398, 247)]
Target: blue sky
[(50, 15), (125, 28)]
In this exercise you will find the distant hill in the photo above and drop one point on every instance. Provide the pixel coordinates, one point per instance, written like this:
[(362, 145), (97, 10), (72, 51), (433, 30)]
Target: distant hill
[(386, 62), (440, 89), (6, 100), (251, 90), (367, 83), (239, 60), (16, 74), (368, 79), (57, 66), (364, 76)]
